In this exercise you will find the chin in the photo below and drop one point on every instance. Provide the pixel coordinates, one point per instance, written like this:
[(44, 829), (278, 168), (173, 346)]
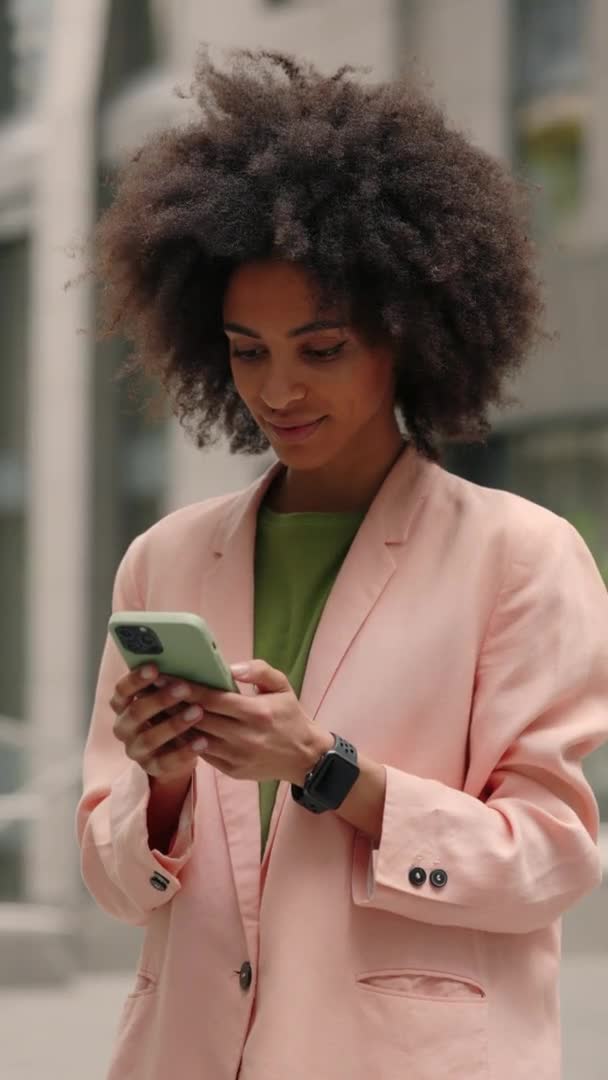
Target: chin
[(310, 453), (301, 457)]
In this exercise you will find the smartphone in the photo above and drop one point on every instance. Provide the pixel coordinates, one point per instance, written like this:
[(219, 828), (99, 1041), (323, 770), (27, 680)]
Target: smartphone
[(178, 642)]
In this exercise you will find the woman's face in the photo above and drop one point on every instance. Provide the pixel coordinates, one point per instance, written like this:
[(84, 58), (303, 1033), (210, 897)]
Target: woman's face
[(314, 388)]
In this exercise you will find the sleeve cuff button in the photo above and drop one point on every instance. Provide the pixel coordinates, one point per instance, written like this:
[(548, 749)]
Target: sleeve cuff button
[(159, 881), (417, 876), (439, 878)]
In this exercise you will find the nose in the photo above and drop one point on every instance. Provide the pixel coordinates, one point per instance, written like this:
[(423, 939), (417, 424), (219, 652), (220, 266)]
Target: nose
[(279, 389)]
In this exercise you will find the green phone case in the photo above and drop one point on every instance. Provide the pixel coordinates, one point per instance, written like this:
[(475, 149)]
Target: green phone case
[(178, 642)]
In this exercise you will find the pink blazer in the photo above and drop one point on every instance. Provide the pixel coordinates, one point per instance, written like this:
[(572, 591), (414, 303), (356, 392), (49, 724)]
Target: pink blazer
[(465, 647)]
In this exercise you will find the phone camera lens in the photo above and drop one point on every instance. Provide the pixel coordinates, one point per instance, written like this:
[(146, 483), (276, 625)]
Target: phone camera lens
[(139, 639)]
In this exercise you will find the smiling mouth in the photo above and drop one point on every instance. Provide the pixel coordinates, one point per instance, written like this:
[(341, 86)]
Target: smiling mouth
[(296, 431), (292, 427)]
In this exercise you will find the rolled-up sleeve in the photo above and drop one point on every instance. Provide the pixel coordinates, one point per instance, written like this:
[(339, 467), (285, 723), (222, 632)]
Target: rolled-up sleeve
[(125, 877), (517, 847)]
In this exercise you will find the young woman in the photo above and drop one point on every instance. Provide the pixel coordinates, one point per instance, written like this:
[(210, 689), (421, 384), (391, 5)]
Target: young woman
[(356, 867)]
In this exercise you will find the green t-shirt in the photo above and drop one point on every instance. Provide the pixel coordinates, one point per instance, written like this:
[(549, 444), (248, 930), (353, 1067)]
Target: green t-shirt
[(297, 558)]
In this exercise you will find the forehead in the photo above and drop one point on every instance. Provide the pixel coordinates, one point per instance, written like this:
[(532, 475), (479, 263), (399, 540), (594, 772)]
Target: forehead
[(277, 294)]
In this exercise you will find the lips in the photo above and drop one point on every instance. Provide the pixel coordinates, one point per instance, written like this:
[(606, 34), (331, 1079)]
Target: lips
[(294, 423), (296, 432)]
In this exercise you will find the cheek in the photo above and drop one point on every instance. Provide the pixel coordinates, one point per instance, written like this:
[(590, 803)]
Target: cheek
[(370, 386)]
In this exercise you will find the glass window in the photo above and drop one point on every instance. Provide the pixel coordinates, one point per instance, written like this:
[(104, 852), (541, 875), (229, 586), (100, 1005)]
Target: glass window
[(13, 348), (131, 45), (549, 81), (7, 84), (29, 22), (549, 56), (563, 467)]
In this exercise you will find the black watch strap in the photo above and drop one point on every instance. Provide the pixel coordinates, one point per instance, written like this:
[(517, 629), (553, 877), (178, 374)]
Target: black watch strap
[(329, 782)]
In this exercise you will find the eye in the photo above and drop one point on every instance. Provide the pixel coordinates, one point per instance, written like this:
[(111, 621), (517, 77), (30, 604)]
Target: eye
[(247, 354), (327, 354)]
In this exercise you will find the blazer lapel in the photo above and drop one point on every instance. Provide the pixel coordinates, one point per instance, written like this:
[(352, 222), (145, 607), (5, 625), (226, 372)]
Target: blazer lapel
[(365, 573), (227, 604), (356, 589)]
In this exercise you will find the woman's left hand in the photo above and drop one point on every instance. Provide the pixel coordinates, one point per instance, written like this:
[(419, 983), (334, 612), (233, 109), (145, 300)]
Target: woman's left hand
[(266, 736)]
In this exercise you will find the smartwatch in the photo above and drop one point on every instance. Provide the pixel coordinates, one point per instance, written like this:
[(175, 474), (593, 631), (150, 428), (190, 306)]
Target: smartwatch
[(329, 782)]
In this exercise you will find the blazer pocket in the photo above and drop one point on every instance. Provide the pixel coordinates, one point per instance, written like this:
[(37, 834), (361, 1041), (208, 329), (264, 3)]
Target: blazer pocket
[(423, 1024), (133, 1043), (422, 985)]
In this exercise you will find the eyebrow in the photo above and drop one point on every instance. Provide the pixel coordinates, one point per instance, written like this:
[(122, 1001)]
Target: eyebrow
[(308, 328)]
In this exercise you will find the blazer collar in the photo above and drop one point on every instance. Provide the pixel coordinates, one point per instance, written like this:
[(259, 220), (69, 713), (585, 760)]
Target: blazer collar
[(391, 510)]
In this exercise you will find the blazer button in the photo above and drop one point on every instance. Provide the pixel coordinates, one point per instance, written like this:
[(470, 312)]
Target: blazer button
[(159, 881), (439, 878), (245, 975), (417, 876)]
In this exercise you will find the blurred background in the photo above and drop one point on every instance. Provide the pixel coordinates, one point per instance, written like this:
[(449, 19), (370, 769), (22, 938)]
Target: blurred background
[(84, 467)]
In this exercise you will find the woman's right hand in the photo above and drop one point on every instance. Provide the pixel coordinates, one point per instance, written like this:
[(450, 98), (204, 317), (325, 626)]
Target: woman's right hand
[(152, 723)]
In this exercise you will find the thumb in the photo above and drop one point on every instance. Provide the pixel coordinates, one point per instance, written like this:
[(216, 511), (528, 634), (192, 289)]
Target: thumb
[(268, 679)]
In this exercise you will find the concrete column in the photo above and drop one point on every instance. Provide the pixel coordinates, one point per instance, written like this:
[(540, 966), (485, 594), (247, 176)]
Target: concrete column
[(194, 474), (59, 433), (463, 49)]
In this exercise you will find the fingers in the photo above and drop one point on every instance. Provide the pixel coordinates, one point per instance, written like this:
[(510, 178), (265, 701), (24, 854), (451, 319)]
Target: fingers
[(153, 723), (144, 708), (145, 746), (135, 681)]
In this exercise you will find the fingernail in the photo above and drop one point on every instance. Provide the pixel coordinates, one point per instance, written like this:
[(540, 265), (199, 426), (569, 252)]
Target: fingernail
[(200, 744), (193, 712), (148, 671), (161, 682), (180, 690), (239, 669)]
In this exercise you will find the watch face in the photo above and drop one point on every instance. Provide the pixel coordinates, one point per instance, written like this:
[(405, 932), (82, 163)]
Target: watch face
[(334, 779)]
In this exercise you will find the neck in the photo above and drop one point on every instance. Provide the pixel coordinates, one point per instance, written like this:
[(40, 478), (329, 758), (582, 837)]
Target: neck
[(346, 484)]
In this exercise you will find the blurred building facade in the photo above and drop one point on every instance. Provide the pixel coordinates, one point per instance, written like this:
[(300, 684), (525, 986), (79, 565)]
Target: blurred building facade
[(83, 469)]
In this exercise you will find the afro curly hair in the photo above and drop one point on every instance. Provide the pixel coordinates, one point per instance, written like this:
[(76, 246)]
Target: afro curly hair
[(421, 235)]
